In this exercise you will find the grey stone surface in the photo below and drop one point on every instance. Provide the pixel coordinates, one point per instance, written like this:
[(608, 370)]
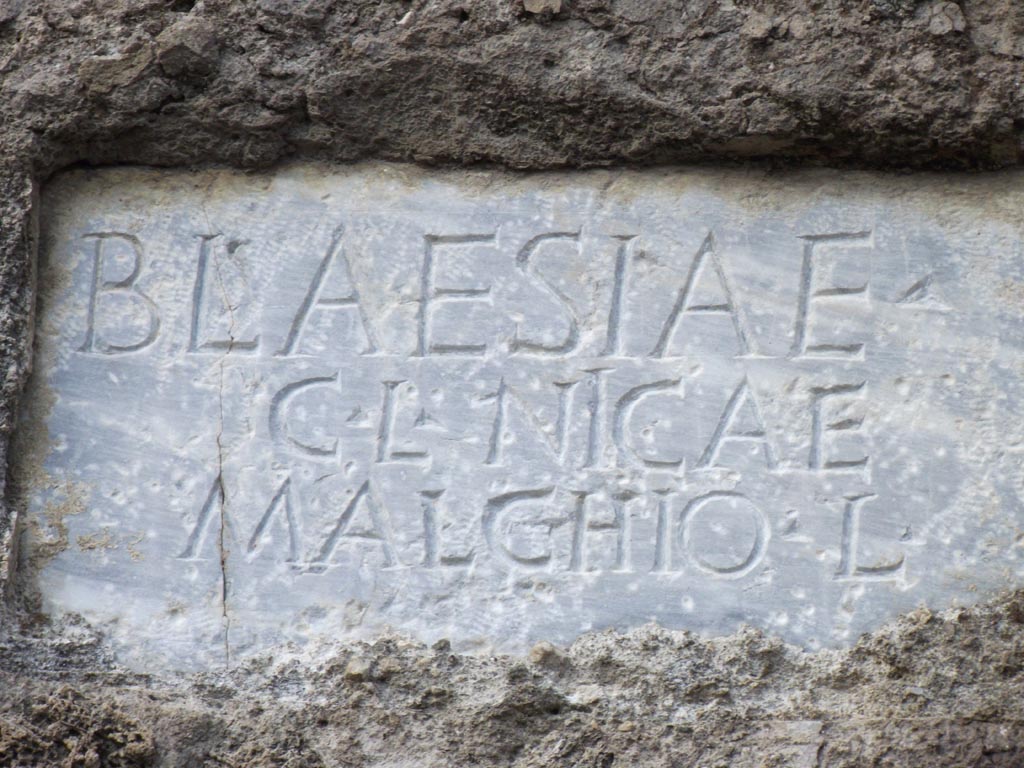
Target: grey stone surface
[(503, 409), (247, 83)]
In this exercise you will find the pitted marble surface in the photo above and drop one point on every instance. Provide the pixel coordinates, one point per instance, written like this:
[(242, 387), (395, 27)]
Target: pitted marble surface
[(498, 409)]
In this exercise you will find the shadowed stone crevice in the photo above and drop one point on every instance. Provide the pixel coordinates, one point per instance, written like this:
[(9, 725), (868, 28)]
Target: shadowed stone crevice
[(222, 522)]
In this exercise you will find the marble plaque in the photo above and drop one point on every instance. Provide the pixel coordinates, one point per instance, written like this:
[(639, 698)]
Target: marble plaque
[(325, 402)]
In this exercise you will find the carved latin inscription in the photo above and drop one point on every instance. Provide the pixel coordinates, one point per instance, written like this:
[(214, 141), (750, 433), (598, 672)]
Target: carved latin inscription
[(514, 410)]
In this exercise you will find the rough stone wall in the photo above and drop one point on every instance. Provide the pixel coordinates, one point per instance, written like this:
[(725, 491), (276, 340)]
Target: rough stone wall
[(860, 83)]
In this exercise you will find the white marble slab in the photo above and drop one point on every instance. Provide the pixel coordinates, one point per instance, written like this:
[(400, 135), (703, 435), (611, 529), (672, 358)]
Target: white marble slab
[(319, 403)]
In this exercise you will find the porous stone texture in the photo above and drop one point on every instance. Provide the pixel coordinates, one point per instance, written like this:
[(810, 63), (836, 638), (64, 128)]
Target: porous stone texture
[(650, 697), (882, 83)]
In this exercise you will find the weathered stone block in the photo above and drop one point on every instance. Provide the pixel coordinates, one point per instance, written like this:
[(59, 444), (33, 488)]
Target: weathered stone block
[(505, 409)]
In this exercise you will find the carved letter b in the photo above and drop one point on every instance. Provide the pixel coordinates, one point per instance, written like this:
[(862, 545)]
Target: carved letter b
[(124, 288)]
